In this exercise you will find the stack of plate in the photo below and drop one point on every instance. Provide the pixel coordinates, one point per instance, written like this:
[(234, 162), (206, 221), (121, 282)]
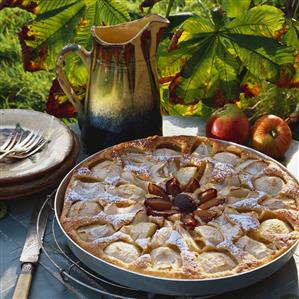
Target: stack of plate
[(44, 169)]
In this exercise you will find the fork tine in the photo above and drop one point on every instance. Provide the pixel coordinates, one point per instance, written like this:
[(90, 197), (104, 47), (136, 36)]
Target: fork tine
[(27, 138), (9, 139), (12, 144), (19, 139), (32, 140), (13, 141), (33, 143), (30, 153)]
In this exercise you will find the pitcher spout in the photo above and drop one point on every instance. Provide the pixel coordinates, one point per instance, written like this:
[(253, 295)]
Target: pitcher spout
[(157, 21), (126, 33)]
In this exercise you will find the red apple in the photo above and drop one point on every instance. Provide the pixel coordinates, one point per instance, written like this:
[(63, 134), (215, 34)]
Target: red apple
[(271, 135), (229, 123)]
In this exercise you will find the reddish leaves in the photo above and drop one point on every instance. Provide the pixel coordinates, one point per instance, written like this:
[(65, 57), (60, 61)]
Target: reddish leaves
[(32, 61), (55, 106), (250, 90), (27, 5), (175, 39)]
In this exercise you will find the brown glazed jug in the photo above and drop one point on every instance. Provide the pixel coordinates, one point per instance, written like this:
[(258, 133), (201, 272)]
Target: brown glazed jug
[(122, 98)]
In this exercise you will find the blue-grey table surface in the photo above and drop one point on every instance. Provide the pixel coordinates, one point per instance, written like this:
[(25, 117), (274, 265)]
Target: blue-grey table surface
[(47, 282)]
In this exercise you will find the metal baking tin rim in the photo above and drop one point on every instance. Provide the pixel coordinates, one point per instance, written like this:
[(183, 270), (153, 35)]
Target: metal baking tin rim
[(68, 176)]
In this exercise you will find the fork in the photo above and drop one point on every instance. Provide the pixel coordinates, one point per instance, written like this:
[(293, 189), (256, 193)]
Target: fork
[(17, 148), (14, 138)]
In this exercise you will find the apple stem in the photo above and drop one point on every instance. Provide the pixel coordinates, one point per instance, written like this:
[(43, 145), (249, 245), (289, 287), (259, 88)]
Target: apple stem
[(273, 133)]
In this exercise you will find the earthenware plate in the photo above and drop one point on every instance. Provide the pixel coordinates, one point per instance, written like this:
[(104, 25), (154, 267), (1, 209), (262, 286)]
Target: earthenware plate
[(44, 182), (53, 153)]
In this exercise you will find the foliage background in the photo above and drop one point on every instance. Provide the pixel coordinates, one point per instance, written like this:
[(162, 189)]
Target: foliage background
[(22, 89), (30, 90), (18, 88)]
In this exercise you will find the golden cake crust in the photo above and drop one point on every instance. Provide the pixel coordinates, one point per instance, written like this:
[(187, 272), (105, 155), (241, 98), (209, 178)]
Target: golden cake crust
[(182, 207)]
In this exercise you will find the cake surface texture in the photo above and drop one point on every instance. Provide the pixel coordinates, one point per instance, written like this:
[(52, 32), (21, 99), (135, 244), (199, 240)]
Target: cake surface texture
[(182, 207)]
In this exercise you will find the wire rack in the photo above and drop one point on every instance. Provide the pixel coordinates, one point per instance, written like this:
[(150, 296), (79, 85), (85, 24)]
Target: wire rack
[(70, 269)]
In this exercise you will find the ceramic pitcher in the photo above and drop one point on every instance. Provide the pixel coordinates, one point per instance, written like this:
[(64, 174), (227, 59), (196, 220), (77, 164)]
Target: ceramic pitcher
[(122, 99)]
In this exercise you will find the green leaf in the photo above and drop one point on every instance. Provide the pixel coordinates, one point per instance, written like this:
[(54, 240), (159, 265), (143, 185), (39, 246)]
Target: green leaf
[(235, 8), (291, 38), (53, 6), (228, 69), (261, 56), (175, 21), (96, 13), (261, 20), (197, 109), (44, 37), (199, 75), (197, 25), (170, 63), (112, 12), (61, 22), (76, 70)]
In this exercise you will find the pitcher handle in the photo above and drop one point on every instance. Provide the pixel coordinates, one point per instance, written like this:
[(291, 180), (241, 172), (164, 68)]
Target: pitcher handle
[(61, 76)]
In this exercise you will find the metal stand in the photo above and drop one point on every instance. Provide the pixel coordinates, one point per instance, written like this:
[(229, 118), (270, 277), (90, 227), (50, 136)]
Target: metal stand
[(72, 270)]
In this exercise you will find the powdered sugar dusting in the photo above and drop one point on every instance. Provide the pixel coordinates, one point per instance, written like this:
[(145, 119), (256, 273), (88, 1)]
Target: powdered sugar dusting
[(245, 221), (112, 180), (143, 261), (221, 171), (119, 220), (84, 171), (189, 260), (291, 190), (106, 198), (177, 240), (164, 159), (137, 168), (274, 170), (231, 247), (105, 241), (143, 243), (73, 195), (246, 179), (251, 202)]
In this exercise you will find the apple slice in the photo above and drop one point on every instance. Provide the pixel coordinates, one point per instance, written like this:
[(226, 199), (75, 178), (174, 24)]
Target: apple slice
[(141, 230), (84, 208), (274, 226), (226, 157), (185, 174), (106, 169), (210, 235), (204, 150), (165, 257), (92, 232), (269, 184), (255, 248), (125, 252), (213, 262)]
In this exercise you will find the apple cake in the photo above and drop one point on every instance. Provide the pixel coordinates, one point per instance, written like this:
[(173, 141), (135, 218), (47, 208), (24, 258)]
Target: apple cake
[(182, 207)]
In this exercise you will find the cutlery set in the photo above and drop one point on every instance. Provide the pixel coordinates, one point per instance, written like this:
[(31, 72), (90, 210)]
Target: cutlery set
[(18, 145)]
